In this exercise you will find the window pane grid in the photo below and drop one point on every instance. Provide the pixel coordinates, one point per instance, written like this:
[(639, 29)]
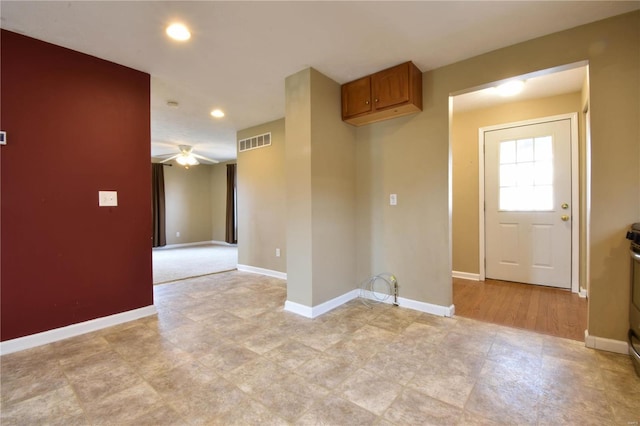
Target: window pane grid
[(526, 174)]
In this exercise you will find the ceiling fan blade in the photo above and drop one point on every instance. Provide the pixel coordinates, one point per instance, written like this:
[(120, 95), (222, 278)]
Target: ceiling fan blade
[(205, 158), (170, 158)]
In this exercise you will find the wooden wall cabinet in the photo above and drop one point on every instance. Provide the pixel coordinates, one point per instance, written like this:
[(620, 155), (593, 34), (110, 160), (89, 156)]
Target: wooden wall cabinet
[(390, 93)]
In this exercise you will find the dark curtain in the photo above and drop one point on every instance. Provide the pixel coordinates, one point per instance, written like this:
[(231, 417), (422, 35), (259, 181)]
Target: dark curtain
[(231, 229), (157, 191)]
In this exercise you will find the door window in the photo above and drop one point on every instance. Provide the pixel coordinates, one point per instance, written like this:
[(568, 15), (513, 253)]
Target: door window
[(526, 174)]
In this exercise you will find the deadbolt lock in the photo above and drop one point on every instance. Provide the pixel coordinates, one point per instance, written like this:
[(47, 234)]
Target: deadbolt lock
[(565, 206)]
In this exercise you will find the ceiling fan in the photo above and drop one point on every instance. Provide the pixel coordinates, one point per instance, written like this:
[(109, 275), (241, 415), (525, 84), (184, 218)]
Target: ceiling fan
[(186, 157)]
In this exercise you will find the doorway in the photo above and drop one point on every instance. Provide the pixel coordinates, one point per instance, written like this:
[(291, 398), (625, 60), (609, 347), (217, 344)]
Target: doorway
[(563, 92)]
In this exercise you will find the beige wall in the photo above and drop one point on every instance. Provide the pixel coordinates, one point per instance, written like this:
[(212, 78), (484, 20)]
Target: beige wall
[(261, 200), (333, 189), (464, 144), (218, 179), (407, 156), (410, 156), (320, 160), (188, 203), (298, 185)]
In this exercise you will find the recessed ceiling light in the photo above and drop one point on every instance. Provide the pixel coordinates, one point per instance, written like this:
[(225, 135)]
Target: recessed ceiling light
[(217, 113), (178, 32), (510, 88)]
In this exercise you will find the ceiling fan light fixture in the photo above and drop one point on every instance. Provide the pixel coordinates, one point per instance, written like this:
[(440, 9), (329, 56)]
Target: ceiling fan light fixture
[(187, 160), (178, 31)]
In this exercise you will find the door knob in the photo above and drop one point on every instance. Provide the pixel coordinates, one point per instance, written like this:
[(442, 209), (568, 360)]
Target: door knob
[(565, 206), (564, 217)]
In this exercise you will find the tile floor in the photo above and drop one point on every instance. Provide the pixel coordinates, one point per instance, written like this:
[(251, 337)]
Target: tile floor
[(222, 351)]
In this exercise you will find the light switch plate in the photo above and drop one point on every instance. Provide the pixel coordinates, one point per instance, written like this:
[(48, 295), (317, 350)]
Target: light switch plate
[(393, 199), (107, 198)]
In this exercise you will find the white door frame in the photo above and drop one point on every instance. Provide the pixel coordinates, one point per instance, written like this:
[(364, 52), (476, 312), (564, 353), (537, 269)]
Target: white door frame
[(575, 191)]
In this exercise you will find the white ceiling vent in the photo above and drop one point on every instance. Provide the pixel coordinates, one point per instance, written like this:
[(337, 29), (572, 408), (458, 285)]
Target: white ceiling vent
[(259, 141)]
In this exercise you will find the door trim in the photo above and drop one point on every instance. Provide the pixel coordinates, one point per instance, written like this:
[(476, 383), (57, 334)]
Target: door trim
[(575, 191)]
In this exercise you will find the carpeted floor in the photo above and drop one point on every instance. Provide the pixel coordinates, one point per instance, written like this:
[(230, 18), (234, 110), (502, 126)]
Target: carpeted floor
[(185, 262)]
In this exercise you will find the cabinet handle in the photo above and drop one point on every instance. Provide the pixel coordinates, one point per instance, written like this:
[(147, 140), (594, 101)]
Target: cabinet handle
[(366, 102), (376, 101)]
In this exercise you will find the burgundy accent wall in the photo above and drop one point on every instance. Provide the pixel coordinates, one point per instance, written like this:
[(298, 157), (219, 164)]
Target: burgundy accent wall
[(75, 125)]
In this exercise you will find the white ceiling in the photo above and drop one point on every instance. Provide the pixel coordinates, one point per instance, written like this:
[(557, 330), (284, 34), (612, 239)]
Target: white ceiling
[(241, 52)]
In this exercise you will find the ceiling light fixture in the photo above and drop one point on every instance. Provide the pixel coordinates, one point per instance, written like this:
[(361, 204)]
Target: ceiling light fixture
[(178, 32), (510, 88), (217, 113), (186, 159)]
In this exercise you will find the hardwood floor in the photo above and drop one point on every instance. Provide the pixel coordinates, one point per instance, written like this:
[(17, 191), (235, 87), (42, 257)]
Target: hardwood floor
[(544, 310)]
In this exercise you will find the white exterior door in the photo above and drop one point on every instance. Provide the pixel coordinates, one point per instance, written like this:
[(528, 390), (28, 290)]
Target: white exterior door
[(528, 203)]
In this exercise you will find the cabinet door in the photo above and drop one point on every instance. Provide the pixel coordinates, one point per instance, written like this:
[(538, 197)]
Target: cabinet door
[(356, 97), (391, 87)]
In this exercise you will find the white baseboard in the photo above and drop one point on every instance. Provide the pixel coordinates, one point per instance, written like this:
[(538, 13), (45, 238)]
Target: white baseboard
[(197, 243), (603, 344), (315, 311), (465, 275), (583, 293), (50, 336), (222, 243), (262, 271), (425, 307), (323, 308)]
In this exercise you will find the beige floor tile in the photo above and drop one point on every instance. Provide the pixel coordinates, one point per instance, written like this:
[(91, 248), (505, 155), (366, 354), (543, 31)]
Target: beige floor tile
[(553, 415), (369, 391), (443, 361), (256, 375), (569, 373), (473, 419), (284, 404), (336, 411), (126, 404), (424, 333), (319, 337), (227, 356), (166, 320), (222, 351), (498, 372), (326, 370), (586, 400), (265, 340), (510, 403), (162, 415), (135, 332), (454, 389), (91, 387), (16, 386), (414, 408), (393, 366), (458, 341), (206, 403), (291, 354), (570, 350), (183, 380), (55, 406), (249, 412), (72, 351)]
